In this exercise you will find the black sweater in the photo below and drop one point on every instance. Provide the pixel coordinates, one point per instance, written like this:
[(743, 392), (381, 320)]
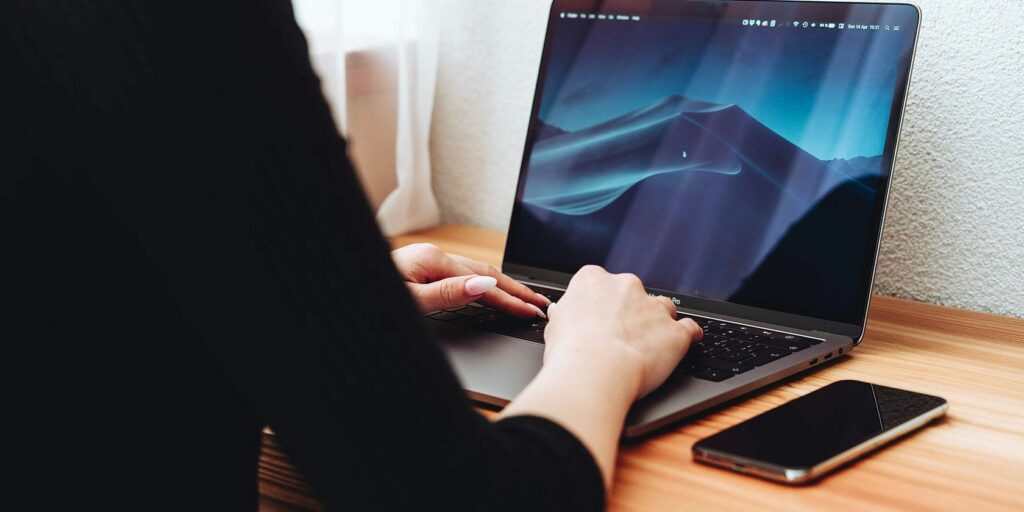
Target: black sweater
[(188, 257)]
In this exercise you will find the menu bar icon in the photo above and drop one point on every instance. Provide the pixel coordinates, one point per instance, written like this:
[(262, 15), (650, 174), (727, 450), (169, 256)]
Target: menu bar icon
[(603, 17), (760, 23)]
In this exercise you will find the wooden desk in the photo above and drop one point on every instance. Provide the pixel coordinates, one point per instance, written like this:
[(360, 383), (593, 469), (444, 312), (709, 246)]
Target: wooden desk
[(973, 460)]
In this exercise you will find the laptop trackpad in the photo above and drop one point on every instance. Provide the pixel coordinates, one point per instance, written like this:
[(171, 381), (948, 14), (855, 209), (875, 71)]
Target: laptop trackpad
[(492, 367)]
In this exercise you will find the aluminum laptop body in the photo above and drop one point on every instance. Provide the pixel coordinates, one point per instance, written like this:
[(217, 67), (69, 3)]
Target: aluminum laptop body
[(736, 155)]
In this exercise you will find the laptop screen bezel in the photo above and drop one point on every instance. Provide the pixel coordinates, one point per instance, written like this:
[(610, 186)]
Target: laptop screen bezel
[(738, 9)]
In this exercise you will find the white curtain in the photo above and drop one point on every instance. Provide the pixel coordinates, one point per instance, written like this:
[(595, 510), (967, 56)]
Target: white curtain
[(378, 63)]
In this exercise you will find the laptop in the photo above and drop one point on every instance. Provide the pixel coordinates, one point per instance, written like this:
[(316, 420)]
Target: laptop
[(735, 155)]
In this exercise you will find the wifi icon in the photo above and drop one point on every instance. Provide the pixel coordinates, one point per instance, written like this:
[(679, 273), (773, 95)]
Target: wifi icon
[(795, 23)]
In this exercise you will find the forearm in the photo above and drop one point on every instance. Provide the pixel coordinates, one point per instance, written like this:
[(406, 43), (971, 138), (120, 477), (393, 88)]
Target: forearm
[(588, 394)]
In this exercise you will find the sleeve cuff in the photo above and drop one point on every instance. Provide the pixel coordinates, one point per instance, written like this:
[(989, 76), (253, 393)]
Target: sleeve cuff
[(577, 477)]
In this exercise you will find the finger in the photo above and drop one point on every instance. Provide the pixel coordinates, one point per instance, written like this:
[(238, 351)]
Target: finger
[(421, 263), (506, 283), (696, 333), (502, 301), (443, 266), (668, 304), (449, 267), (452, 292)]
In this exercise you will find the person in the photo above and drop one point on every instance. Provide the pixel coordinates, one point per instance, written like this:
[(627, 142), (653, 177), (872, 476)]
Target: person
[(188, 257)]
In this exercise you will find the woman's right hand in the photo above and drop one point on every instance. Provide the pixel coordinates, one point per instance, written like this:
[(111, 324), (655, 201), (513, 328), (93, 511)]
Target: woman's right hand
[(604, 315), (607, 344)]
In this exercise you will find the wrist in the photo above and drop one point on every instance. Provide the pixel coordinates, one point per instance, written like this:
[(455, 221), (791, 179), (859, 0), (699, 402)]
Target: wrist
[(614, 369), (588, 389)]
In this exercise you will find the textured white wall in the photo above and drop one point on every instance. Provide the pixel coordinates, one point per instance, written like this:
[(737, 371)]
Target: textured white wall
[(955, 228)]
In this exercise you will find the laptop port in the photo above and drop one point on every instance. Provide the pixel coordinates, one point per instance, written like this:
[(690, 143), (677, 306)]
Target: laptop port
[(840, 351), (814, 362), (827, 357)]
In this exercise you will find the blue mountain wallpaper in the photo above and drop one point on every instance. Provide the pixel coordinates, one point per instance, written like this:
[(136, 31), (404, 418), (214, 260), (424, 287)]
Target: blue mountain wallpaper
[(711, 159)]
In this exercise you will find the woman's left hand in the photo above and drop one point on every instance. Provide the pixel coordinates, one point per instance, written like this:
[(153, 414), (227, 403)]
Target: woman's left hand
[(439, 280)]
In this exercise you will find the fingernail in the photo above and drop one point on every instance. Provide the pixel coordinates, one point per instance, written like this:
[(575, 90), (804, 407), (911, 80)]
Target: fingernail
[(480, 285), (547, 301), (538, 310), (551, 307)]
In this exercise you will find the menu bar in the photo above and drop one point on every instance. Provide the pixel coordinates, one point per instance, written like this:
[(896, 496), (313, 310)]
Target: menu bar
[(829, 25), (757, 23)]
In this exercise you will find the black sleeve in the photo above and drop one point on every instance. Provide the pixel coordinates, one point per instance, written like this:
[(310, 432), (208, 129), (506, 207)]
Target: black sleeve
[(200, 130)]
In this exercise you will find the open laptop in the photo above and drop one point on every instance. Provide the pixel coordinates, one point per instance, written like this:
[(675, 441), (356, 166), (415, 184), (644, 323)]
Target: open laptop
[(736, 155)]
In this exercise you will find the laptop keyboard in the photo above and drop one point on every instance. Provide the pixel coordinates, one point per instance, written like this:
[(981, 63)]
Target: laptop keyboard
[(487, 319), (727, 350)]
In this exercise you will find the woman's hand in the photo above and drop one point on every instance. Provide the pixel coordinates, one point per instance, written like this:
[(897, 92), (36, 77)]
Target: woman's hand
[(608, 343), (603, 314), (439, 280)]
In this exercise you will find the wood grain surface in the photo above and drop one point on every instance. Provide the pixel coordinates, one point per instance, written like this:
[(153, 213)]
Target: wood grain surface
[(973, 460)]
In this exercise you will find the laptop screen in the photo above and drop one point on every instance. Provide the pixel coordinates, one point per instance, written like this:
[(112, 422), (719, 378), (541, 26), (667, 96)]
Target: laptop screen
[(731, 151)]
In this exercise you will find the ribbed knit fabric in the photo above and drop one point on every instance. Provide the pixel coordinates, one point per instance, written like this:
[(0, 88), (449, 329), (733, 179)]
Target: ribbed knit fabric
[(187, 257)]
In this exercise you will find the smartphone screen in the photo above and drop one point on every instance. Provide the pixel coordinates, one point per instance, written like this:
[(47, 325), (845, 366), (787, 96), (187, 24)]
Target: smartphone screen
[(807, 436)]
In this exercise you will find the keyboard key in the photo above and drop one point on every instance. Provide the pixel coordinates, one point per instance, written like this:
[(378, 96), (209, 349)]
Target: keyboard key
[(726, 366), (740, 346), (473, 311), (471, 321), (712, 375), (492, 316), (754, 347), (707, 350), (734, 357), (766, 356), (686, 367), (795, 338), (445, 316), (552, 295), (791, 345)]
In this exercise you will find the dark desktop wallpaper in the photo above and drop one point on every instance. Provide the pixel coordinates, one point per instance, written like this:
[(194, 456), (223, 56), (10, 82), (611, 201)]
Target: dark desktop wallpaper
[(712, 159)]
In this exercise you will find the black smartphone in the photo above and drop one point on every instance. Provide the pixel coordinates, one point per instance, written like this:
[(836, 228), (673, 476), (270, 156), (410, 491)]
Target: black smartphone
[(805, 438)]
